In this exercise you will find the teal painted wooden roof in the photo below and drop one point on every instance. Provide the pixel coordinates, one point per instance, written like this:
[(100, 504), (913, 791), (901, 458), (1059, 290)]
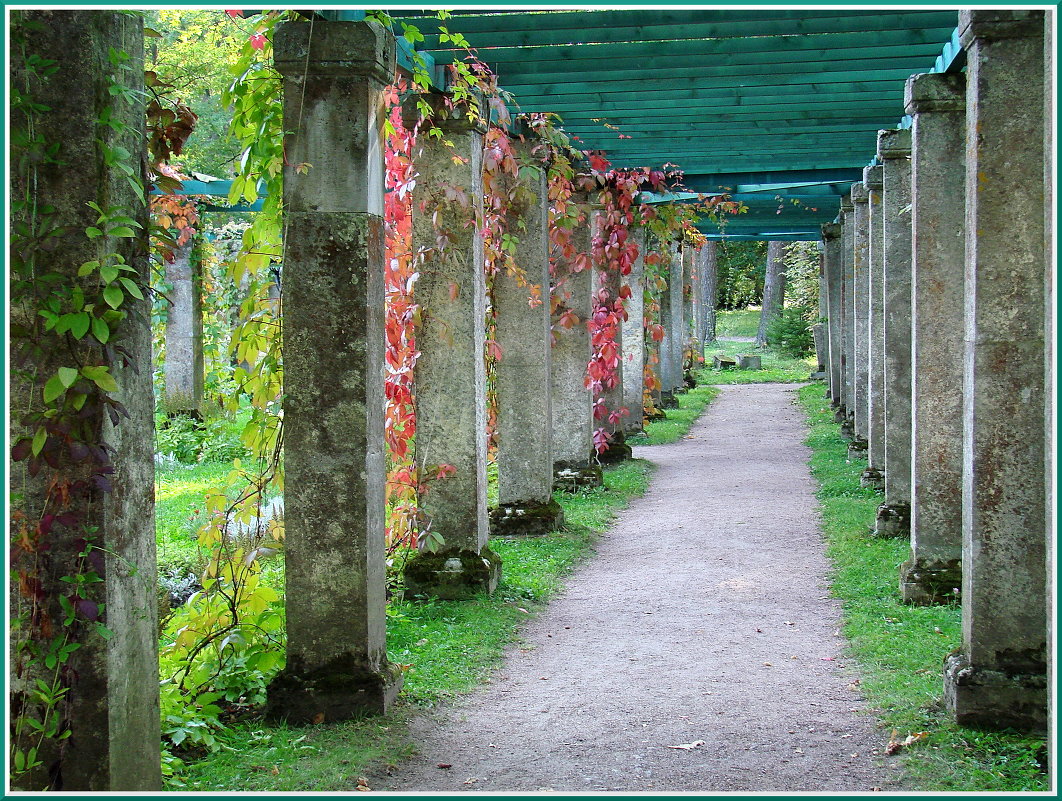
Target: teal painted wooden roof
[(780, 107)]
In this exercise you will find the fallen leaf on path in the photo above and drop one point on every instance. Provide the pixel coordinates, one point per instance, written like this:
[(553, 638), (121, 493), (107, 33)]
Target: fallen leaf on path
[(444, 765), (687, 746), (827, 658), (896, 744), (363, 785), (521, 609), (471, 780)]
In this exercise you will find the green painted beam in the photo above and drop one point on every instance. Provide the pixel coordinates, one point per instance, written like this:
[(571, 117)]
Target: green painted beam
[(778, 162), (751, 50), (805, 76), (729, 180), (610, 30), (516, 81), (690, 129)]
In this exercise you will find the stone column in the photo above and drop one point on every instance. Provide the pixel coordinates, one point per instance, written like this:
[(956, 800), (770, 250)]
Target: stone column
[(699, 315), (450, 382), (874, 475), (711, 289), (679, 325), (689, 314), (937, 104), (104, 527), (573, 403), (833, 267), (609, 283), (333, 357), (847, 414), (894, 152), (860, 308), (183, 363), (998, 678), (773, 289), (670, 374), (522, 380), (634, 341)]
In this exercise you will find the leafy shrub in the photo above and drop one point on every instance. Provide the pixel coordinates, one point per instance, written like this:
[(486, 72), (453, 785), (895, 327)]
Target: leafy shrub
[(790, 334), (189, 441)]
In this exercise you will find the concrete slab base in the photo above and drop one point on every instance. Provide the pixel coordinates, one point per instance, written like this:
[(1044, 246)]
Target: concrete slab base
[(872, 478), (618, 450), (924, 582), (453, 575), (526, 519), (668, 400), (893, 520), (857, 448), (991, 699), (572, 477), (340, 690)]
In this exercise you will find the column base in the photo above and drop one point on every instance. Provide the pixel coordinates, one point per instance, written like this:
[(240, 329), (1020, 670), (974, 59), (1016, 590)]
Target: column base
[(818, 375), (453, 575), (617, 451), (857, 448), (690, 380), (847, 430), (526, 519), (930, 581), (572, 477), (893, 520), (656, 414), (992, 699), (872, 478), (342, 689), (668, 399)]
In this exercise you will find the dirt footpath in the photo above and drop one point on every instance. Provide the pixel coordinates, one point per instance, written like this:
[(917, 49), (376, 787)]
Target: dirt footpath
[(698, 651)]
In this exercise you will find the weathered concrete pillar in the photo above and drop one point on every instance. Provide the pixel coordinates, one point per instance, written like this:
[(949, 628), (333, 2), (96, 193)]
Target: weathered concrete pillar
[(88, 516), (183, 362), (450, 375), (937, 104), (679, 322), (609, 284), (689, 313), (847, 415), (998, 678), (573, 403), (333, 358), (833, 268), (894, 152), (711, 289), (773, 289), (874, 475), (523, 375), (700, 256), (670, 370), (860, 308), (634, 341)]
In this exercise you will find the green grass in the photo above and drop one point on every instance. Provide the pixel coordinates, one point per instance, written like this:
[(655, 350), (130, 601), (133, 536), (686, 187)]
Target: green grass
[(775, 367), (179, 509), (741, 323), (678, 422), (450, 648), (900, 648)]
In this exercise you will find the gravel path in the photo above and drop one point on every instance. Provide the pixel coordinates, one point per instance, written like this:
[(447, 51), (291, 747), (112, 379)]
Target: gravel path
[(703, 621)]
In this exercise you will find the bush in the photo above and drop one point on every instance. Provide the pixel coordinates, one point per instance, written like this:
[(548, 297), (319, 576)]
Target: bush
[(790, 334), (190, 441)]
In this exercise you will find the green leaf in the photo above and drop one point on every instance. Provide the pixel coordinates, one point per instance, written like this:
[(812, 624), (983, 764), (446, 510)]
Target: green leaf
[(101, 377), (121, 230), (132, 288), (38, 441), (92, 232), (101, 330), (53, 389), (114, 296), (87, 268), (68, 375), (108, 272), (79, 326)]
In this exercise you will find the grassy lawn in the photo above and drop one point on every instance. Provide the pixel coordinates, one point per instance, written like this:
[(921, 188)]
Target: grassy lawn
[(678, 422), (741, 323), (901, 648), (774, 367)]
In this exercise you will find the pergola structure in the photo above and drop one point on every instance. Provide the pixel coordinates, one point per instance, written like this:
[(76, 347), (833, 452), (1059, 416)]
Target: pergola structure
[(937, 287)]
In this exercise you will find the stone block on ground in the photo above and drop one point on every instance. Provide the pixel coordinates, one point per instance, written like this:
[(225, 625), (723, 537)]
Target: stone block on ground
[(723, 363), (526, 519), (574, 477), (747, 361), (453, 575), (893, 520)]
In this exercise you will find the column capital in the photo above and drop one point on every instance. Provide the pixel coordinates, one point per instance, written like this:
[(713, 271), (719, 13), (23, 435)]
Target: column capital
[(860, 193), (831, 231), (846, 202), (354, 49), (995, 24), (894, 144), (934, 91), (873, 177)]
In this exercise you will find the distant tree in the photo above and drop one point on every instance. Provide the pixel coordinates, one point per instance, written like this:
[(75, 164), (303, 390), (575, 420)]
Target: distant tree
[(740, 274), (773, 289)]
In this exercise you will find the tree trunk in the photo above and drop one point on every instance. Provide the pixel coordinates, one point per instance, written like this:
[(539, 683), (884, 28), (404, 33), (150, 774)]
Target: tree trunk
[(773, 289)]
